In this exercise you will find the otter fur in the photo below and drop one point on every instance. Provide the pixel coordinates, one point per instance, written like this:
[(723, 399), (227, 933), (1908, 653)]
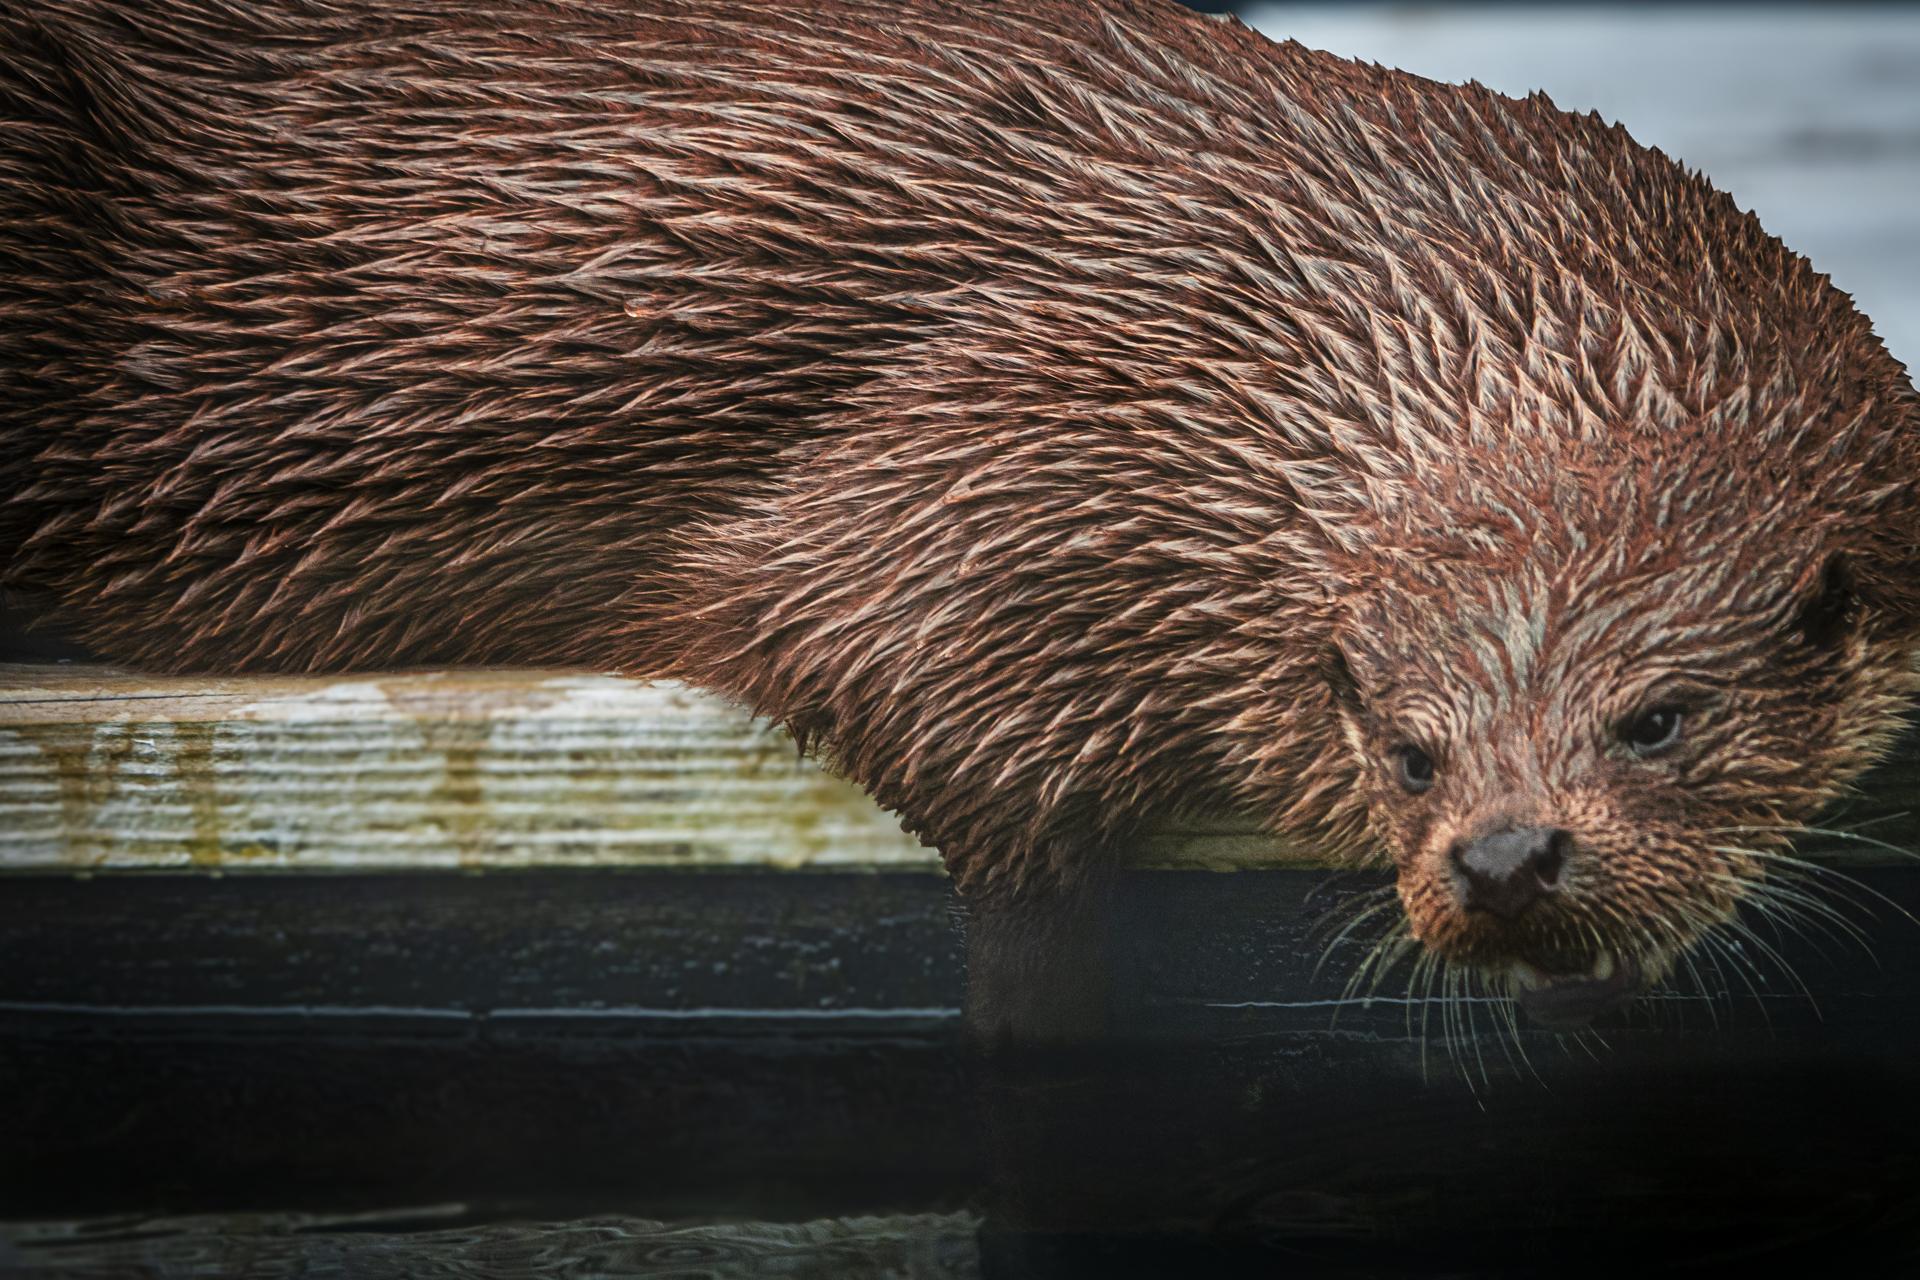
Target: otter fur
[(1062, 415)]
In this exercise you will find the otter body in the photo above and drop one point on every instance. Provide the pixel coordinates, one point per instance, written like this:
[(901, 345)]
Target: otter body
[(1062, 415)]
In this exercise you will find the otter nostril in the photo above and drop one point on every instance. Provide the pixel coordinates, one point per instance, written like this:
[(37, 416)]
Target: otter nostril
[(1552, 858), (1506, 872)]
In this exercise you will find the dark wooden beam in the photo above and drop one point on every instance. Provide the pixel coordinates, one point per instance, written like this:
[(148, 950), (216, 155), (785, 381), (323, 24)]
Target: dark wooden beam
[(731, 1043)]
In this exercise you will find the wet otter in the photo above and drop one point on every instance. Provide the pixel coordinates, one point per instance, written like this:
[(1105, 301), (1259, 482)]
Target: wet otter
[(1060, 414)]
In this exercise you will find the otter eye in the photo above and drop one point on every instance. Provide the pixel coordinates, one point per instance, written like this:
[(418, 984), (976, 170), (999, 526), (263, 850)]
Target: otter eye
[(1653, 730), (1415, 768)]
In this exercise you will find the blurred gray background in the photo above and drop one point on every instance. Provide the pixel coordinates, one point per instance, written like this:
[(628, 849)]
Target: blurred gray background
[(1808, 115)]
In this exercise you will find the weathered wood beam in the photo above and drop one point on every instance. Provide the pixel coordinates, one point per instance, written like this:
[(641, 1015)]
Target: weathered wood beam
[(490, 769), (469, 769)]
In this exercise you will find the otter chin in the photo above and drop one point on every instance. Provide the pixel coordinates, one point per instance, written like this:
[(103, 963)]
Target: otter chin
[(1573, 999), (1064, 416)]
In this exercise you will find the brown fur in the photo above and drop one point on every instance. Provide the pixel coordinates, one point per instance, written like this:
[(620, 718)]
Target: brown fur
[(1062, 414)]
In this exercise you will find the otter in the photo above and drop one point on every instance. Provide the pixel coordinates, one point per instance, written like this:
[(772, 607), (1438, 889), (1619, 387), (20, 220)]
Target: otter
[(1060, 415)]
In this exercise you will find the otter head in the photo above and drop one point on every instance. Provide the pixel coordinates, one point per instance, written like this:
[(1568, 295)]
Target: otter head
[(1583, 754)]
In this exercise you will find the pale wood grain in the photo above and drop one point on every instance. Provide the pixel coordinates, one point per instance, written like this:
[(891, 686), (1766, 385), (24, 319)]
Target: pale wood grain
[(469, 769)]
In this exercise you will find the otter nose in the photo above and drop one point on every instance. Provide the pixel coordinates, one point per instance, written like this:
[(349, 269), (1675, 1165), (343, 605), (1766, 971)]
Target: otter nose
[(1508, 871)]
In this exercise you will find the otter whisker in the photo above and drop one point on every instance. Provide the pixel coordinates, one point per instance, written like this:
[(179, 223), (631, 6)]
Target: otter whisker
[(1461, 1038), (1742, 966), (1786, 927), (1873, 821), (1699, 982), (1510, 1013), (1595, 943), (1385, 953), (1435, 996), (1641, 931), (1814, 869), (1506, 1026), (1745, 933), (1579, 1039), (1346, 931), (1423, 972), (1354, 907), (1467, 996), (1833, 833), (1805, 889), (1414, 972), (1468, 980), (1689, 929), (1455, 1011), (1810, 917), (1401, 946), (1724, 988)]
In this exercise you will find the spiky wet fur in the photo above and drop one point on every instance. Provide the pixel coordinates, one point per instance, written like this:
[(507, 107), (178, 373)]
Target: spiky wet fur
[(1060, 414)]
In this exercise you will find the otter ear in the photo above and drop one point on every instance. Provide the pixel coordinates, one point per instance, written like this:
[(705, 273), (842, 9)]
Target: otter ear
[(1829, 615)]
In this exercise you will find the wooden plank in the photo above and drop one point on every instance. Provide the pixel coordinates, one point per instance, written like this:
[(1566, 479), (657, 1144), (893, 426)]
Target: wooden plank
[(471, 769), (476, 770), (784, 1047), (435, 1240)]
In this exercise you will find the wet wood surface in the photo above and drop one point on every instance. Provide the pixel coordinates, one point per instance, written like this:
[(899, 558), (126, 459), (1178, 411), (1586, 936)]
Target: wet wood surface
[(470, 769), (781, 1048), (424, 1243)]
